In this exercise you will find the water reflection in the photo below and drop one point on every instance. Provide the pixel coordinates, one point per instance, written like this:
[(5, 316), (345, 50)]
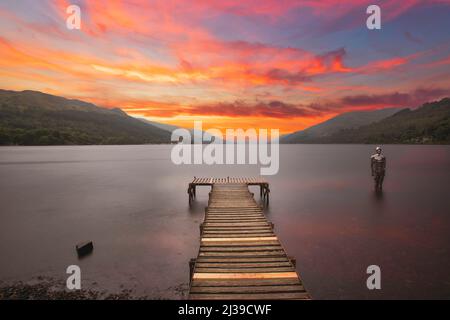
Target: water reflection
[(379, 195)]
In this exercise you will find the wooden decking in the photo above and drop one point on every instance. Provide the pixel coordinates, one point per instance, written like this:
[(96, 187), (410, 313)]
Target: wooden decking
[(240, 256), (251, 181)]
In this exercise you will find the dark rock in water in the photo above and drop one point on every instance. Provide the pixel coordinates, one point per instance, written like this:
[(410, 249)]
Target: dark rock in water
[(84, 248)]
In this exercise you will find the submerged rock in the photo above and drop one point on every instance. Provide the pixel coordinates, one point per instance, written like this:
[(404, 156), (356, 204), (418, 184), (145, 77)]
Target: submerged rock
[(84, 248)]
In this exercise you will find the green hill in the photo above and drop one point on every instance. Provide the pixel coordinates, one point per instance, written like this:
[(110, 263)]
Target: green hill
[(35, 118), (428, 124), (348, 120)]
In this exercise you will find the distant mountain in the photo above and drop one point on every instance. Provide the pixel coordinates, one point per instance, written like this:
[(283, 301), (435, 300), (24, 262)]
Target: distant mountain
[(170, 128), (429, 124), (166, 127), (348, 120), (36, 118)]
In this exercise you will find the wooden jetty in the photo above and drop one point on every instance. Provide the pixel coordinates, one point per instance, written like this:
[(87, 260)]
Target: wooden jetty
[(240, 256)]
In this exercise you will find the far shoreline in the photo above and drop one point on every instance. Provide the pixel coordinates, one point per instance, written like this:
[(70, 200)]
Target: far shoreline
[(47, 288), (171, 144)]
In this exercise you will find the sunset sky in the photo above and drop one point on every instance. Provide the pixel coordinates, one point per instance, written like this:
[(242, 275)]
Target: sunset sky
[(232, 63)]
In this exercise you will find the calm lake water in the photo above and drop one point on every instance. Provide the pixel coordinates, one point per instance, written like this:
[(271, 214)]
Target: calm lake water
[(131, 201)]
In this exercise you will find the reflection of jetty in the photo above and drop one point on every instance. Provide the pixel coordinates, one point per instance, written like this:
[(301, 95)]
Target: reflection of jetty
[(240, 256)]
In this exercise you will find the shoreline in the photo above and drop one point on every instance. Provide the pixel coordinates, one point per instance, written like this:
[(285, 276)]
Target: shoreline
[(45, 288)]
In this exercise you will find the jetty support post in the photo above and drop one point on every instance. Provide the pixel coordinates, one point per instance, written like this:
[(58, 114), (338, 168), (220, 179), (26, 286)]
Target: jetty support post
[(265, 193), (191, 268), (201, 228), (293, 261), (189, 191)]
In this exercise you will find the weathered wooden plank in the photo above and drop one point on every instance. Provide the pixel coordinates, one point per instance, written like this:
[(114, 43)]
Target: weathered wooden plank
[(235, 217), (256, 264), (246, 275), (243, 254), (238, 227), (235, 235), (228, 231), (235, 211), (241, 259), (249, 239), (242, 245), (254, 296), (246, 270), (244, 282), (265, 232), (240, 248), (234, 220), (241, 231), (232, 224), (233, 214), (239, 244), (231, 205), (227, 209), (214, 236), (248, 289)]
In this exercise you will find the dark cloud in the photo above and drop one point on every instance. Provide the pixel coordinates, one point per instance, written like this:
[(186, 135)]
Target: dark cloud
[(332, 61), (411, 99), (289, 77), (335, 54), (272, 109), (412, 38)]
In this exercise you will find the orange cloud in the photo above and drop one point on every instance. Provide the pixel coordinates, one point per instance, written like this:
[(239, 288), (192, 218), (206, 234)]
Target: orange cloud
[(387, 64)]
